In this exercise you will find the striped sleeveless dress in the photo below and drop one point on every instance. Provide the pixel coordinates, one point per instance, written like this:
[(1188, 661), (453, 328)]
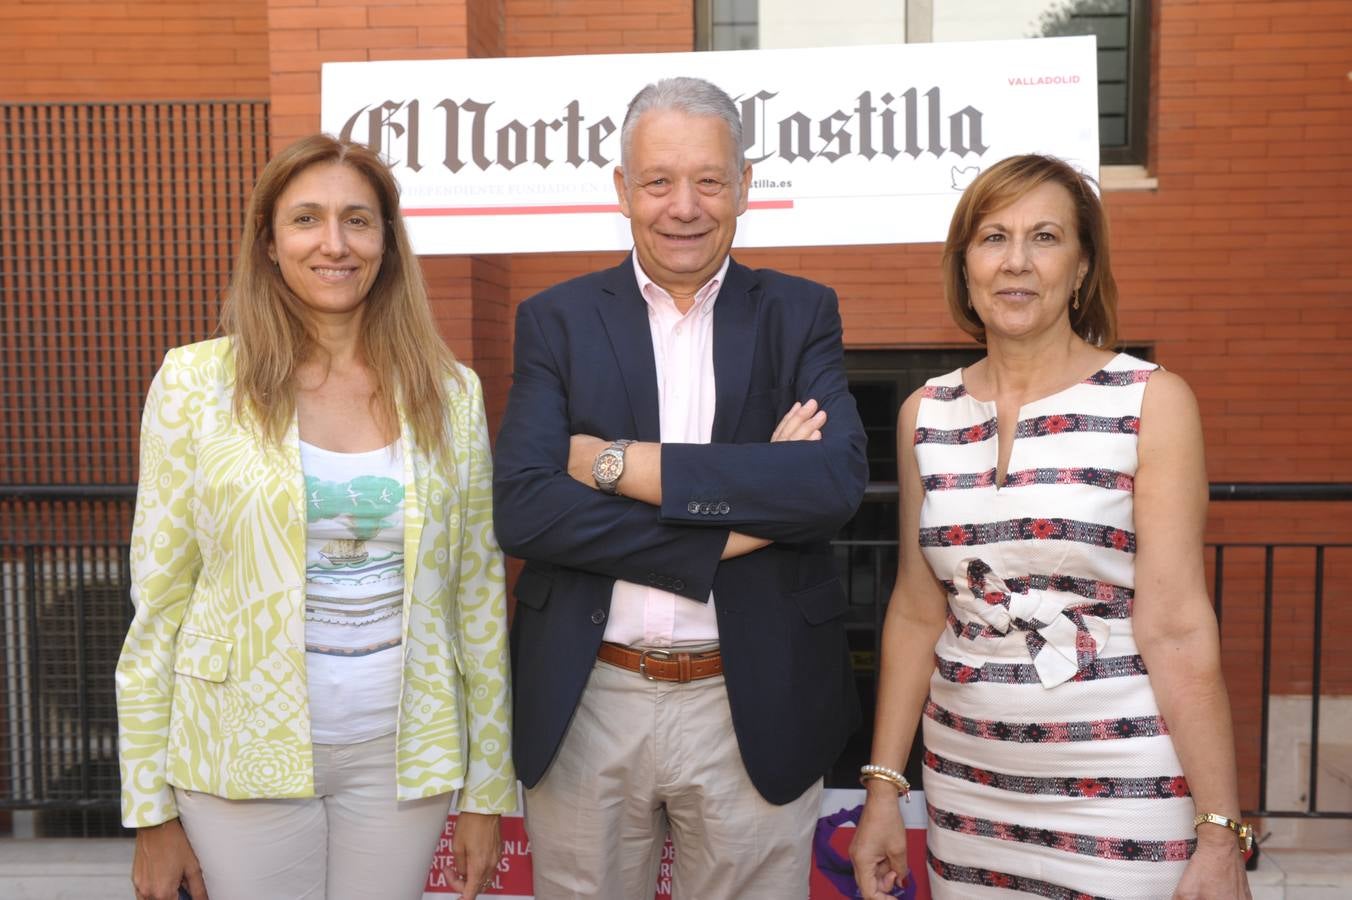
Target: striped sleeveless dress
[(1048, 768)]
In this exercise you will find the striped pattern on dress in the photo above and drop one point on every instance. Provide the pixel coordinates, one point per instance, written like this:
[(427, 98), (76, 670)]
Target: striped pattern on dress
[(1049, 770)]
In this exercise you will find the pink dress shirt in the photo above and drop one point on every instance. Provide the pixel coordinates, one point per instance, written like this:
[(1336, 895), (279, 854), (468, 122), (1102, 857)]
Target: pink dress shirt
[(683, 348)]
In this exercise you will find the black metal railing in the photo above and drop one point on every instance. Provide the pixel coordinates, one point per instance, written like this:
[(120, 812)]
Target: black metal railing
[(120, 225), (1251, 582), (64, 580), (64, 610)]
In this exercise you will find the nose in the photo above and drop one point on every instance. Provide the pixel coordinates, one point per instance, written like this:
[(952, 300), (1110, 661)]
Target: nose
[(684, 203), (334, 241), (1016, 256)]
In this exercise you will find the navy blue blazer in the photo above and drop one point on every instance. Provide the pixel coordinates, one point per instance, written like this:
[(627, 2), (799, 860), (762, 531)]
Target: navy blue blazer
[(584, 365)]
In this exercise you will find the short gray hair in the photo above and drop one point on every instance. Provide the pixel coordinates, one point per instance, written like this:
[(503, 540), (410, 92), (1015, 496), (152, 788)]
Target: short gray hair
[(692, 96)]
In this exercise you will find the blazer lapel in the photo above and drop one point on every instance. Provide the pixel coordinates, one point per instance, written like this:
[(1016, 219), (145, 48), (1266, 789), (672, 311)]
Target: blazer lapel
[(286, 464), (735, 319), (624, 314), (283, 460), (416, 488)]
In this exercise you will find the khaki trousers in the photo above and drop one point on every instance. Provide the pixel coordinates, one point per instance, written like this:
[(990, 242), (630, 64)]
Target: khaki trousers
[(351, 841), (643, 757)]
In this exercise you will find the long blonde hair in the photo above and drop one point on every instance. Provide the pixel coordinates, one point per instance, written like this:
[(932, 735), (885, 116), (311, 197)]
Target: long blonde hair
[(272, 335)]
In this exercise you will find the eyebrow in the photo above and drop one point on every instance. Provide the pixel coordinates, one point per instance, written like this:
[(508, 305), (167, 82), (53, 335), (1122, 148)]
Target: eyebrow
[(310, 204), (665, 172), (1035, 226)]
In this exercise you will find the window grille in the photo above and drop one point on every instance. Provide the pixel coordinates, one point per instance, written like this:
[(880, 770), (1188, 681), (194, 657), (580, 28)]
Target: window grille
[(120, 224)]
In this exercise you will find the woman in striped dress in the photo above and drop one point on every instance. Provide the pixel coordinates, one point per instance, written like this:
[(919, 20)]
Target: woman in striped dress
[(1050, 623)]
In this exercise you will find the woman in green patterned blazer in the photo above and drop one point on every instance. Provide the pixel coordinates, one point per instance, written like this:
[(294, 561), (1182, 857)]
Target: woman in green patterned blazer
[(318, 656)]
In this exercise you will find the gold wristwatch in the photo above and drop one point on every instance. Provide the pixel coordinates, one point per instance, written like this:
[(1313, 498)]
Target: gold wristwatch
[(1242, 831)]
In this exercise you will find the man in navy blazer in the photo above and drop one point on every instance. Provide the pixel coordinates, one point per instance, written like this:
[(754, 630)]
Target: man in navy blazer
[(679, 448)]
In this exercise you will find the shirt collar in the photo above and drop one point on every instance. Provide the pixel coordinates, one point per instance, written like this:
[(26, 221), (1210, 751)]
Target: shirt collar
[(704, 298)]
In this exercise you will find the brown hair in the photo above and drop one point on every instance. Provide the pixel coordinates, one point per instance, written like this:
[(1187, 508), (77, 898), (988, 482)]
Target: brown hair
[(272, 335), (1000, 185)]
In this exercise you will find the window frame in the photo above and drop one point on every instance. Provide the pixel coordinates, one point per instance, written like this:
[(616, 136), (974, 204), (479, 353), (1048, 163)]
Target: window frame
[(919, 23), (920, 30)]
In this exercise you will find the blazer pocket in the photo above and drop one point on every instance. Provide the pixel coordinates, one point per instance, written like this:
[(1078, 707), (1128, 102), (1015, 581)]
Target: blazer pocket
[(532, 588), (822, 602), (204, 656)]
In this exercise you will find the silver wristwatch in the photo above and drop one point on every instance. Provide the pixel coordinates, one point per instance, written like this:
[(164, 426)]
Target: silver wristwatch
[(609, 466)]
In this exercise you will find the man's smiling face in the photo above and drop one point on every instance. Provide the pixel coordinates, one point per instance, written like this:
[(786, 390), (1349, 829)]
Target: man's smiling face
[(682, 194)]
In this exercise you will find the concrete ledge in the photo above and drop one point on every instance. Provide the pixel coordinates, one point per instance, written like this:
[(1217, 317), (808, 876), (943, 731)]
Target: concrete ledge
[(85, 868), (66, 869), (1127, 178), (1285, 874)]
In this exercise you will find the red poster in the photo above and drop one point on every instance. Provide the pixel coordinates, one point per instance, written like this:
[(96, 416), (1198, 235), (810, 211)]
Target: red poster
[(831, 877), (514, 876)]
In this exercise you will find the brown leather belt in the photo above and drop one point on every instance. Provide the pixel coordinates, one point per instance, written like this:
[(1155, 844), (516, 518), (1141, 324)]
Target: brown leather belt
[(663, 665)]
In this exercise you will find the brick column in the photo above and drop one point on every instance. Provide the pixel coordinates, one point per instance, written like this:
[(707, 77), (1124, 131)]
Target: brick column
[(304, 34)]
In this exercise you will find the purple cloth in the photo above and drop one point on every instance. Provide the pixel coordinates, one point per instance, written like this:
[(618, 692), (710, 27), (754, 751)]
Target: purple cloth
[(836, 868)]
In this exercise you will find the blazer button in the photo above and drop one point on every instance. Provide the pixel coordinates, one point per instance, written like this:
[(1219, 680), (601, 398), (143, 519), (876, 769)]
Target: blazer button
[(598, 616), (705, 509), (677, 585), (692, 507), (723, 508)]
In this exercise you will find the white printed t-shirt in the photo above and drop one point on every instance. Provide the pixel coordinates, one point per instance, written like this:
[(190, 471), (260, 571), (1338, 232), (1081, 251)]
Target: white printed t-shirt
[(354, 591)]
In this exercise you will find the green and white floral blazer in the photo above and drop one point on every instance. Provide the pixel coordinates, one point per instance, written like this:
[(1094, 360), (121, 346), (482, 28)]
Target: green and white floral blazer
[(211, 684)]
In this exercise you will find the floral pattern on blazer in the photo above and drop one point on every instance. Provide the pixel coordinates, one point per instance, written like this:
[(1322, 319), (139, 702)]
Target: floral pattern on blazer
[(211, 683)]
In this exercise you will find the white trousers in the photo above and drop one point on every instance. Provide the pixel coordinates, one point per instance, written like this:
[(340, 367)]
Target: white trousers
[(351, 841), (641, 757)]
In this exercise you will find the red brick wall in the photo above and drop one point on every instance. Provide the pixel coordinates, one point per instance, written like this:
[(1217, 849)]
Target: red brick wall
[(468, 294), (573, 27), (487, 28), (473, 308), (133, 50), (305, 34), (565, 27), (1234, 269)]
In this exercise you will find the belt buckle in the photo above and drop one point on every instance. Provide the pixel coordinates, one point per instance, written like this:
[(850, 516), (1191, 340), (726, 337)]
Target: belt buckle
[(655, 653)]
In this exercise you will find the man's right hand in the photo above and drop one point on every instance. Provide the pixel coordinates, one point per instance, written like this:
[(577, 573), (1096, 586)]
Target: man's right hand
[(164, 861), (803, 422)]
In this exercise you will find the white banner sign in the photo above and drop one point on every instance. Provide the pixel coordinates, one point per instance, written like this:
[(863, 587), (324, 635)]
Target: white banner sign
[(848, 145)]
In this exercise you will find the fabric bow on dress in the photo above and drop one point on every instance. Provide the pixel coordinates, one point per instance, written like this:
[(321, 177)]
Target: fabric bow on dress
[(1061, 641)]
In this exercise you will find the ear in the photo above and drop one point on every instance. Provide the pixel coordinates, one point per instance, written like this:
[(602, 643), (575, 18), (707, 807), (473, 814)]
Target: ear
[(746, 189), (621, 191), (272, 252), (1081, 271)]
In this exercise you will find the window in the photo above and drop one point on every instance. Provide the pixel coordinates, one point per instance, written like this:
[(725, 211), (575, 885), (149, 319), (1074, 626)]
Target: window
[(1122, 28), (732, 24)]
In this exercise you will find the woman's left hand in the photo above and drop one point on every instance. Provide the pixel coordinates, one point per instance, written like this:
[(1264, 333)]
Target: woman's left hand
[(1215, 872), (477, 846)]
